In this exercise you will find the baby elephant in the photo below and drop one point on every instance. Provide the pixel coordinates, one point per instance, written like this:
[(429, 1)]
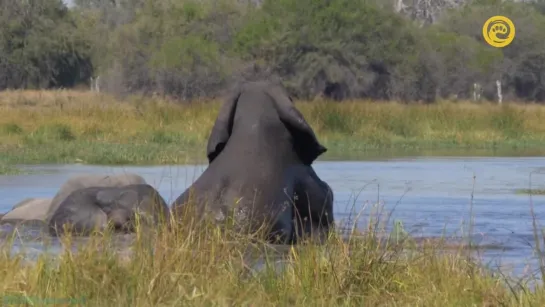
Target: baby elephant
[(92, 208)]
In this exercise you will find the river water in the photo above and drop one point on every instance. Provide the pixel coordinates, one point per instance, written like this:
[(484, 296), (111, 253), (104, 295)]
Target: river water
[(432, 196)]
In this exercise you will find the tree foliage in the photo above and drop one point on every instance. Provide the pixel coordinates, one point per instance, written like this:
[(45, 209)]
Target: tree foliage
[(399, 49), (40, 46)]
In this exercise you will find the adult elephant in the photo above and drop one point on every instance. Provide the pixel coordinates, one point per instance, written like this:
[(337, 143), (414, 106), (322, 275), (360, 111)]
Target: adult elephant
[(93, 208), (38, 211), (260, 153), (86, 181), (28, 212)]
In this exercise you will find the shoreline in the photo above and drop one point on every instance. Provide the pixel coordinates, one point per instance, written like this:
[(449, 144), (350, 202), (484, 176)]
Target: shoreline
[(91, 128), (111, 154), (100, 153)]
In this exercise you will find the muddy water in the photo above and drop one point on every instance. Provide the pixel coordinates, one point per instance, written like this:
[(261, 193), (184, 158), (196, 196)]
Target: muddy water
[(431, 196)]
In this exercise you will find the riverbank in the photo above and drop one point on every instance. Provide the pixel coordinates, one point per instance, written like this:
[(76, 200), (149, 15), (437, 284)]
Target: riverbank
[(532, 192), (85, 127), (200, 266)]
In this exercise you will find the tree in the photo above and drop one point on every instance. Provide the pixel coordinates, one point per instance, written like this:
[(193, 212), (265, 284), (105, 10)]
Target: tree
[(39, 46)]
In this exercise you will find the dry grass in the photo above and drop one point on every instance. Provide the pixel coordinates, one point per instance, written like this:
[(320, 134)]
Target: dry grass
[(72, 126), (201, 265)]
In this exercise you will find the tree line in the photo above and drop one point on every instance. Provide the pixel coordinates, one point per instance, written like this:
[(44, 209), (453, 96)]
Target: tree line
[(341, 49)]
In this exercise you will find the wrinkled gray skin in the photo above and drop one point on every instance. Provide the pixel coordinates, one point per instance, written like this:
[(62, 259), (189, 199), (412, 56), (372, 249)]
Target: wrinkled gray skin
[(260, 153), (92, 208), (87, 181)]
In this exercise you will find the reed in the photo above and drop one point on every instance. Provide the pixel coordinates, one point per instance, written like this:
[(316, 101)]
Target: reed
[(199, 264)]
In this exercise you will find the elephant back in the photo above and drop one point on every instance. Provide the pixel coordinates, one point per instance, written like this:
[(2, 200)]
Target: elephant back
[(88, 181), (29, 211)]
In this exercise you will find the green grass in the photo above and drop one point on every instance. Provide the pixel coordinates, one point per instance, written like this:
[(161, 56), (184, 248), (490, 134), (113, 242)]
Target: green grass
[(198, 264), (9, 170), (531, 191), (72, 126)]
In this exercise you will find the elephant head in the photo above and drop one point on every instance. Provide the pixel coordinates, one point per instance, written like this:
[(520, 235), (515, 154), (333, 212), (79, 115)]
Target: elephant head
[(304, 140), (91, 180), (95, 207), (121, 219)]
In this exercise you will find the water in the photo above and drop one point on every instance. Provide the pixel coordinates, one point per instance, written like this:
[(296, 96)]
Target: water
[(430, 195)]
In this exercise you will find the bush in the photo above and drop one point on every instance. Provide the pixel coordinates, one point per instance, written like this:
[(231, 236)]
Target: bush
[(339, 49)]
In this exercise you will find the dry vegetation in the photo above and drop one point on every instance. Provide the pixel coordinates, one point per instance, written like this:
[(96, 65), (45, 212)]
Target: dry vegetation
[(201, 265), (81, 126)]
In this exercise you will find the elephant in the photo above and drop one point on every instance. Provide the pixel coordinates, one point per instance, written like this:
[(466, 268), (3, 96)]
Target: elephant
[(260, 153), (38, 211), (87, 181), (93, 208), (30, 212)]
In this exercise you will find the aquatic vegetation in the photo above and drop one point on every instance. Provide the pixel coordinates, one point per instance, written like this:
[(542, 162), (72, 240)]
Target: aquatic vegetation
[(86, 127), (9, 170), (398, 233)]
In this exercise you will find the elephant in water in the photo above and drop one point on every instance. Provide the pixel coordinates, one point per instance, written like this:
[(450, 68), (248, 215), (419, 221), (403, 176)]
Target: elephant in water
[(92, 208), (38, 211), (260, 153), (30, 212), (87, 181)]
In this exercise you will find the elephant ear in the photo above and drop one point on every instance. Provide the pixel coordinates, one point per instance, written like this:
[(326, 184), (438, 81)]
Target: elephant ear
[(306, 144), (221, 131)]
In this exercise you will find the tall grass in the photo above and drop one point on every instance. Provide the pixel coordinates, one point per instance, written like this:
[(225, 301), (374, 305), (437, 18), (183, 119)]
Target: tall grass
[(194, 262), (72, 126), (199, 264)]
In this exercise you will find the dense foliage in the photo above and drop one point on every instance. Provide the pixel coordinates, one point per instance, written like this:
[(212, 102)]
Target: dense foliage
[(339, 48)]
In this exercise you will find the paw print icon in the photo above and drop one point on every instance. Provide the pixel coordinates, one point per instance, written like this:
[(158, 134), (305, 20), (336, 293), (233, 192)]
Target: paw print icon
[(499, 31)]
